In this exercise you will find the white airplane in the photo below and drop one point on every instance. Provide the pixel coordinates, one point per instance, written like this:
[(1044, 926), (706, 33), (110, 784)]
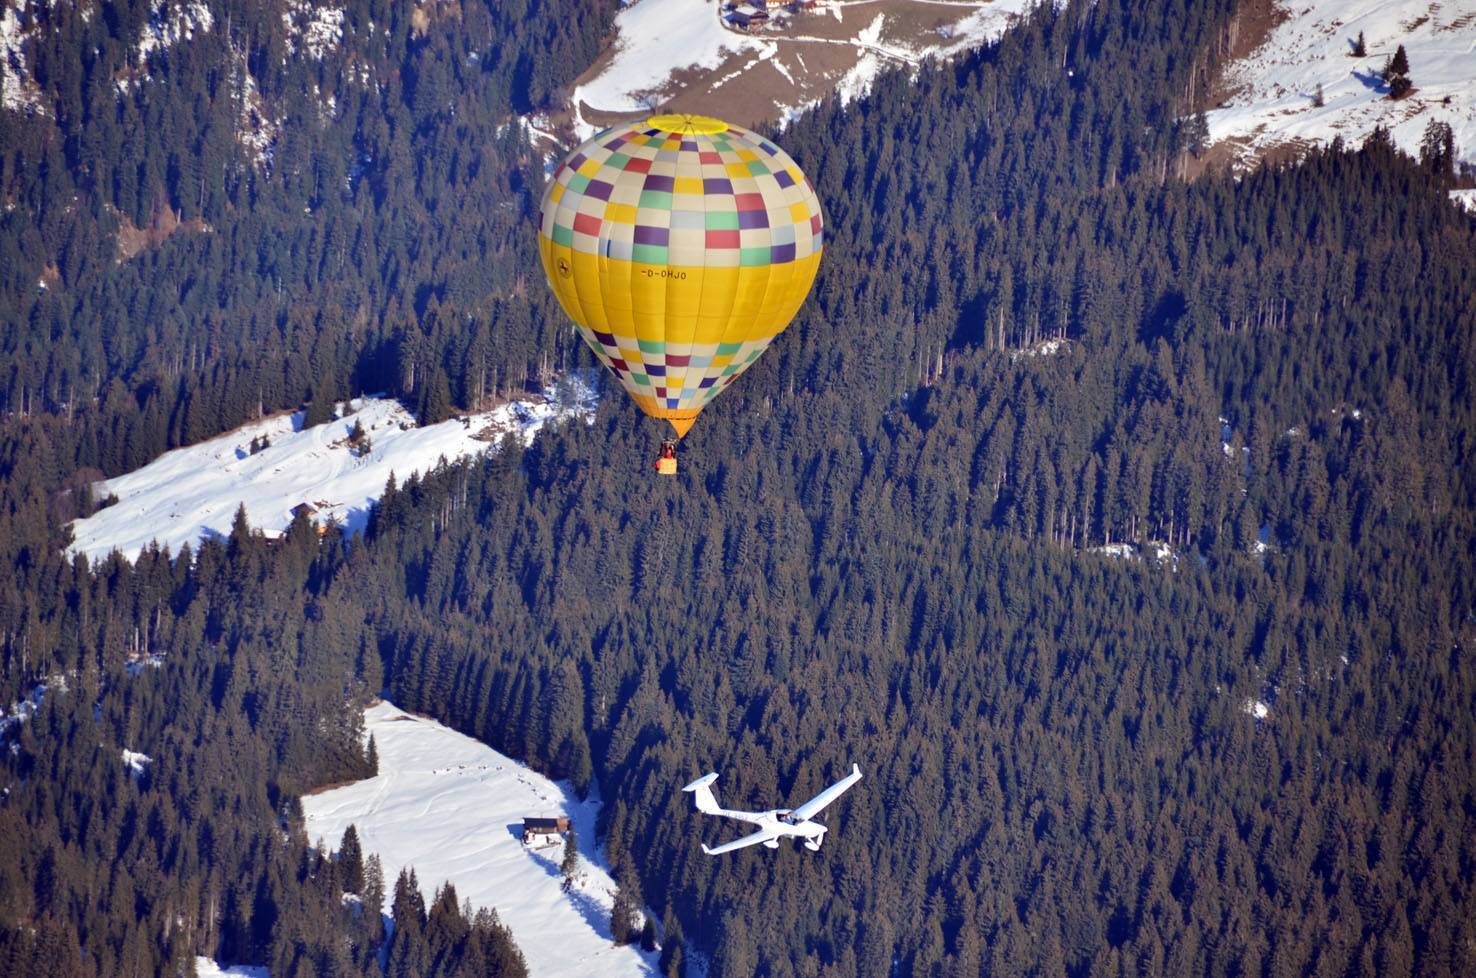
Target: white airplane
[(775, 824)]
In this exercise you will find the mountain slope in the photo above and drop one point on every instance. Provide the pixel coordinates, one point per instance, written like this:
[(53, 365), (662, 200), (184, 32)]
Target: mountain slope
[(689, 56), (1275, 88), (195, 491), (452, 809)]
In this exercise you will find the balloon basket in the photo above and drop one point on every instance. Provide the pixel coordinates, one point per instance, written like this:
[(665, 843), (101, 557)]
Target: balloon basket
[(666, 466)]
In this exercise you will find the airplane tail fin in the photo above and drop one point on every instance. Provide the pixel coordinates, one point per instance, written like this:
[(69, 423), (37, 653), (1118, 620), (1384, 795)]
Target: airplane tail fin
[(702, 794), (705, 849)]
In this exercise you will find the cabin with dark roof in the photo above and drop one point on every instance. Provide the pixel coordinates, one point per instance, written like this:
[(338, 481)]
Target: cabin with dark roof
[(541, 828)]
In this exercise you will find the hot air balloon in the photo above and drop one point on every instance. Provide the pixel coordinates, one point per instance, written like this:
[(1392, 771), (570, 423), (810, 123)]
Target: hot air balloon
[(680, 246)]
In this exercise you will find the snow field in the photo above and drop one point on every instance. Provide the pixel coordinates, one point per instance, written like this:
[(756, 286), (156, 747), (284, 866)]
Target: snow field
[(1276, 84), (657, 39), (452, 808), (193, 492), (206, 968)]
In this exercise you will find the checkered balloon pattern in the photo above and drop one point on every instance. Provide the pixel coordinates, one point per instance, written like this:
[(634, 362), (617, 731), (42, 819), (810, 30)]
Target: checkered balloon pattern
[(680, 246)]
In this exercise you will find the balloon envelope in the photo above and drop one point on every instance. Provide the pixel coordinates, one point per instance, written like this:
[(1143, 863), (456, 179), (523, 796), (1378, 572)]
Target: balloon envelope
[(680, 246)]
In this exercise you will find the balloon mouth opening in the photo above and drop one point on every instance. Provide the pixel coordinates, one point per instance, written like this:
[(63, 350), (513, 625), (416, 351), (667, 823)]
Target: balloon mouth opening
[(703, 125), (682, 425)]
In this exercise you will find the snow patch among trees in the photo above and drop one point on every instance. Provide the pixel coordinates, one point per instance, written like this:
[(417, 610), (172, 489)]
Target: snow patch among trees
[(207, 968), (452, 808), (24, 708), (317, 31), (136, 761), (18, 90), (194, 492), (171, 23)]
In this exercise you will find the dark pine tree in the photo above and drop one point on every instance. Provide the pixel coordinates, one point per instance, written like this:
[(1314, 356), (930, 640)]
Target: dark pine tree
[(351, 861)]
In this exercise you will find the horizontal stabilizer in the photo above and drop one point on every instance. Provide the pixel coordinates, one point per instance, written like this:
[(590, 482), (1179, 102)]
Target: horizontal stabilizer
[(701, 789), (701, 782)]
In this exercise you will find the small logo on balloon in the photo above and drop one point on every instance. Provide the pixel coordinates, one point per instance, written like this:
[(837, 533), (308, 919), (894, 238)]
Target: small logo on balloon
[(564, 267)]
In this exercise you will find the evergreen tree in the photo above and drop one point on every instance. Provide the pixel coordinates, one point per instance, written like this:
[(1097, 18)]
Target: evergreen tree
[(351, 861), (320, 408), (569, 865), (1437, 148), (622, 917), (672, 961), (1396, 74)]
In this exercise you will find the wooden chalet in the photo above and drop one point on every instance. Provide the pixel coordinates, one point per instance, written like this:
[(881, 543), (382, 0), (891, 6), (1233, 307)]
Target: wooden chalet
[(538, 828)]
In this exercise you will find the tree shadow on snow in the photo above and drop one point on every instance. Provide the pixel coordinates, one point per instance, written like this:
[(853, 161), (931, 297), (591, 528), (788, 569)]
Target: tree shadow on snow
[(1372, 81), (593, 912)]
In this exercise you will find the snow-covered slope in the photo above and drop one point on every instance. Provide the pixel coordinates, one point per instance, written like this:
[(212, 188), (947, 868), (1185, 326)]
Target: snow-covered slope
[(452, 808), (193, 492), (654, 39), (688, 56), (18, 90), (1276, 86)]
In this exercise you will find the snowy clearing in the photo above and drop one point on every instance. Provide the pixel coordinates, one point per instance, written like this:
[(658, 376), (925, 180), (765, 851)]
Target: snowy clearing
[(1159, 551), (680, 55), (1276, 85), (1044, 348), (1256, 709), (193, 492), (136, 762), (452, 808), (654, 39), (206, 968)]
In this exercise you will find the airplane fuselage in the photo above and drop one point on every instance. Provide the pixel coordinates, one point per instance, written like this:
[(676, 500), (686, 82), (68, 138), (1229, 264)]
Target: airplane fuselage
[(778, 822)]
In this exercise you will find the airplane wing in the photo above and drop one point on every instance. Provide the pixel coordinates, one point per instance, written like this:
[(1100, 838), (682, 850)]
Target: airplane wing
[(813, 807), (762, 835)]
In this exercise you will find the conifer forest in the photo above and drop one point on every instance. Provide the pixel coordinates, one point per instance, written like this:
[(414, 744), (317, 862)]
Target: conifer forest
[(1116, 513)]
